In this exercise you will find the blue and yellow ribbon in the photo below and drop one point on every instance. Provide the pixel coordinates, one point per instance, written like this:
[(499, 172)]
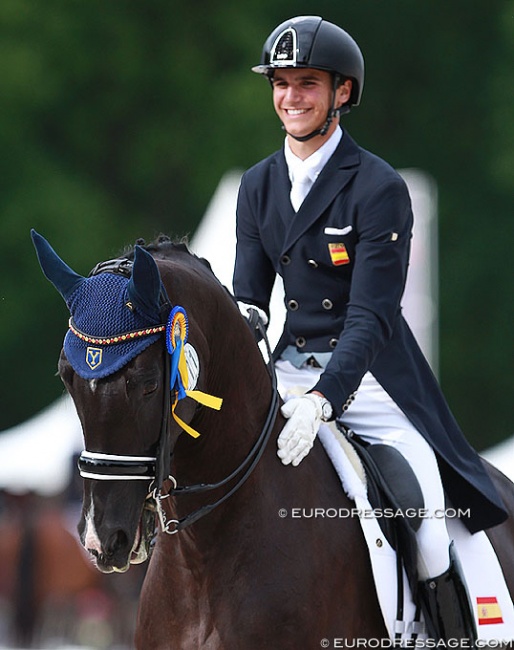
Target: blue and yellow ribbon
[(177, 331)]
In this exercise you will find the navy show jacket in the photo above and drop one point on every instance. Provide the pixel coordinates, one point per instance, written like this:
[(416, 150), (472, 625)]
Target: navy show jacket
[(343, 258)]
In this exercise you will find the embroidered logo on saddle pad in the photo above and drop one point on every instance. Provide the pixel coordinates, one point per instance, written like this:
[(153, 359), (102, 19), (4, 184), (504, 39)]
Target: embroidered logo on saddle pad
[(489, 612)]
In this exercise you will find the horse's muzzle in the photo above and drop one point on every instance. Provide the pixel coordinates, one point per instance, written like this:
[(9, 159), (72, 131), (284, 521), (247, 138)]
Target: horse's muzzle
[(111, 550)]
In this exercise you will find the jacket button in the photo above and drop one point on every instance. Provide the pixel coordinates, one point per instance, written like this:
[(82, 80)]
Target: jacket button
[(332, 343), (312, 263), (293, 305), (300, 342), (285, 259), (327, 303)]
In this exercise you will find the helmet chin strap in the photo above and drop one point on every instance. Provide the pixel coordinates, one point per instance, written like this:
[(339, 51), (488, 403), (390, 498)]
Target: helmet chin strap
[(333, 112)]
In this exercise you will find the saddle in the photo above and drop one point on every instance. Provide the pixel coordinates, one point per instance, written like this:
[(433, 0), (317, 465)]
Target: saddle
[(377, 477), (395, 495)]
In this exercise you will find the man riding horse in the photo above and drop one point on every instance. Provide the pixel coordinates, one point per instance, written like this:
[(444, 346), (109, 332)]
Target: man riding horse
[(335, 221)]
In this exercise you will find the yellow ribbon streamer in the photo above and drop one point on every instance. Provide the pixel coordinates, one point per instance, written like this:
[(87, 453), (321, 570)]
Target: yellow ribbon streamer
[(202, 398), (177, 333)]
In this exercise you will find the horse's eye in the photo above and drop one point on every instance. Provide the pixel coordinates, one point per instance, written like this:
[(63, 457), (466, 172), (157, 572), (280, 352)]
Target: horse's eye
[(149, 387)]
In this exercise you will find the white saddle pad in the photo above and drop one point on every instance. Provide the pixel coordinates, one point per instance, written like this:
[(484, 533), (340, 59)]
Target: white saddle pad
[(492, 605)]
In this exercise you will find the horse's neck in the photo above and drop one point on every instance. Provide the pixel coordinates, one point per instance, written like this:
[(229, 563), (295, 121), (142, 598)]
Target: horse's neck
[(226, 439), (227, 436)]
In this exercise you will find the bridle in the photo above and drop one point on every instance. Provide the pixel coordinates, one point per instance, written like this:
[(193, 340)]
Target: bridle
[(245, 468), (113, 467)]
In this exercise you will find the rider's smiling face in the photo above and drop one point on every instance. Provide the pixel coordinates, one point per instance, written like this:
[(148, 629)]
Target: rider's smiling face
[(302, 98)]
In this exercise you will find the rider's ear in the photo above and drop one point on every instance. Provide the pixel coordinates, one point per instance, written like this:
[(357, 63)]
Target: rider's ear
[(343, 93)]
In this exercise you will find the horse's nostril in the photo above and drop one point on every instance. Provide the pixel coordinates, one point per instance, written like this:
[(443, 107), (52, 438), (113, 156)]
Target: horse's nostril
[(117, 541)]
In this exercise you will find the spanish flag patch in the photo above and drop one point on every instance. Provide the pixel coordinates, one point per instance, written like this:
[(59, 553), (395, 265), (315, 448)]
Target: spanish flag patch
[(338, 254), (489, 611)]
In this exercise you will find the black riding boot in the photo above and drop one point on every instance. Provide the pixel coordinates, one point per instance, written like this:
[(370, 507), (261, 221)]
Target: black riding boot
[(445, 603)]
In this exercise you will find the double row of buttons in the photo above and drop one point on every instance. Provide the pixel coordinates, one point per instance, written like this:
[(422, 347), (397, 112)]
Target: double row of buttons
[(326, 303), (294, 305), (301, 342), (285, 260)]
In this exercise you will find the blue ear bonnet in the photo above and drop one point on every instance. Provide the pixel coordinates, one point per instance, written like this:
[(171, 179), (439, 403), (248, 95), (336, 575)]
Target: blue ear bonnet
[(101, 308), (115, 313)]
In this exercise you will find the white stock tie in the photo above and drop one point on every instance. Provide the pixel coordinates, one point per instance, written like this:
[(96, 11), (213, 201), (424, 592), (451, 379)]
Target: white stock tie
[(300, 188)]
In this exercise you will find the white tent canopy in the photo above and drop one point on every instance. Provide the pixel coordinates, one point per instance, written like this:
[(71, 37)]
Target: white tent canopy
[(37, 455)]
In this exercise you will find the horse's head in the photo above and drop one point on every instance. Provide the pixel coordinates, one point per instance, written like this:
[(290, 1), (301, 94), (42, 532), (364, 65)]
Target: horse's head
[(125, 346)]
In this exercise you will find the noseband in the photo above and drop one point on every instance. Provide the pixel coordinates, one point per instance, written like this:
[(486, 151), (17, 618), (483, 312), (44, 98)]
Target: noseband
[(113, 467)]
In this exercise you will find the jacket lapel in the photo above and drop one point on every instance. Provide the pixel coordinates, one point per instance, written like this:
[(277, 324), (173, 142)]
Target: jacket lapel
[(282, 187), (336, 174)]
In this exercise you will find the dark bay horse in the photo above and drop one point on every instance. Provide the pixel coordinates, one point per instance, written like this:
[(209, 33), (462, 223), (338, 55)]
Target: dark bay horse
[(247, 575)]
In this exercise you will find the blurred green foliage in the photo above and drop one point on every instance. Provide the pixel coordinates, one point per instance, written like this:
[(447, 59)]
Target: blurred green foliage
[(118, 120)]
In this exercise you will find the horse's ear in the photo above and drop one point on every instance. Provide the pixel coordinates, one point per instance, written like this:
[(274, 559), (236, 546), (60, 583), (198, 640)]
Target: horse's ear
[(144, 286), (64, 279)]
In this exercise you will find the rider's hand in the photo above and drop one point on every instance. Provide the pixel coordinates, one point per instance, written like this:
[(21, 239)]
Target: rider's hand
[(297, 437), (245, 310), (253, 315)]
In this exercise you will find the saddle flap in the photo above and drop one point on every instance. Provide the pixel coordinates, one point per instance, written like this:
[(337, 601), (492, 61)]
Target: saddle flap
[(398, 482)]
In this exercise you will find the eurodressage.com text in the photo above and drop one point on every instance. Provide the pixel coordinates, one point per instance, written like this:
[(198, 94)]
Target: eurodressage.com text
[(415, 643), (373, 513)]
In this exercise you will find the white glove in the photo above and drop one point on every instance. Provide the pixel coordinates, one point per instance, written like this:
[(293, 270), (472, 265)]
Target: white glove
[(297, 437), (245, 308)]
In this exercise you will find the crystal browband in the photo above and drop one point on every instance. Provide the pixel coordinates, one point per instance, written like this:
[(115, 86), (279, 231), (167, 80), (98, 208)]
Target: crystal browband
[(118, 338)]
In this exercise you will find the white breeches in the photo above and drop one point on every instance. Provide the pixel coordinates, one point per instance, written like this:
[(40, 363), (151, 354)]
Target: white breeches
[(375, 417)]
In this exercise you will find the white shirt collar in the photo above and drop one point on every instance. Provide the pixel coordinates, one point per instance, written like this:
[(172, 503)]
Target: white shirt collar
[(312, 165)]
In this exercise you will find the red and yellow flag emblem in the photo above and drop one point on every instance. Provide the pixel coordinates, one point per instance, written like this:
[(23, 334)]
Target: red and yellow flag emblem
[(338, 254), (489, 611)]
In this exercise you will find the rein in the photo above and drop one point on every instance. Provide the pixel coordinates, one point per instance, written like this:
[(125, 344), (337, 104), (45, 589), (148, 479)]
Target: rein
[(113, 467)]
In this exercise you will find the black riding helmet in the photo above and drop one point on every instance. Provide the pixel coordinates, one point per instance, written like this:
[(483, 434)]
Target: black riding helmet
[(311, 42)]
